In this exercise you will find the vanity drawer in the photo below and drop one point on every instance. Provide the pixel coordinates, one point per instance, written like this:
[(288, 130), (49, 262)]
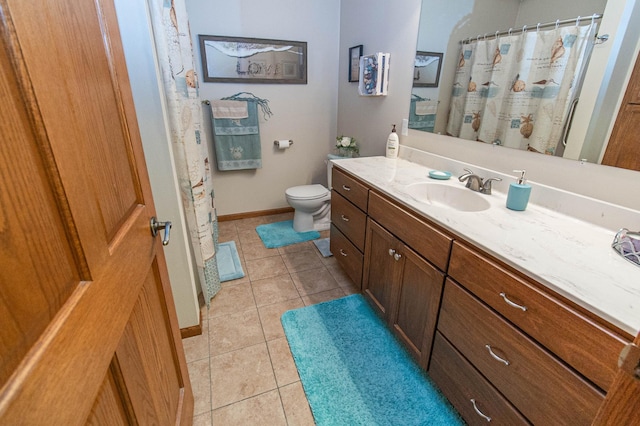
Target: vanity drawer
[(587, 346), (469, 392), (426, 240), (539, 385), (347, 255), (350, 188), (349, 219)]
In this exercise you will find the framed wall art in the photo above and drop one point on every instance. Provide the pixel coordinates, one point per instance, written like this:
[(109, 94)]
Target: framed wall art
[(354, 62), (426, 72), (252, 60)]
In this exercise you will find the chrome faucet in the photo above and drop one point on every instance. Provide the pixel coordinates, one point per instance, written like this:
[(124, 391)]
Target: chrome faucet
[(475, 182)]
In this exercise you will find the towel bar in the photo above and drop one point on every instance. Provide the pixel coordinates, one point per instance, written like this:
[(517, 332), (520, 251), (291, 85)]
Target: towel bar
[(276, 142)]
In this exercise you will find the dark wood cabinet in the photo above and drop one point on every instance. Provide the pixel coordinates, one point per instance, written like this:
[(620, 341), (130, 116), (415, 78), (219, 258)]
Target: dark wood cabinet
[(401, 285), (349, 199)]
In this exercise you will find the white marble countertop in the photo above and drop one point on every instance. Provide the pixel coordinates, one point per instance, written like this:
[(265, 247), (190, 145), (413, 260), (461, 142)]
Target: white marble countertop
[(570, 256)]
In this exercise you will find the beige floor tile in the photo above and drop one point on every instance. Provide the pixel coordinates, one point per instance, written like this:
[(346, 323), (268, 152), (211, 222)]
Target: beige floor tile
[(296, 407), (227, 231), (302, 260), (351, 289), (231, 299), (200, 377), (314, 281), (339, 274), (235, 331), (274, 290), (197, 347), (248, 237), (292, 248), (266, 268), (203, 419), (241, 374), (264, 409), (270, 317), (257, 250), (323, 296), (250, 223), (283, 365)]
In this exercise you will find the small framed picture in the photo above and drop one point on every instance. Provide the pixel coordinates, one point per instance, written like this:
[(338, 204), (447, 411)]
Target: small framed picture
[(354, 63), (426, 72)]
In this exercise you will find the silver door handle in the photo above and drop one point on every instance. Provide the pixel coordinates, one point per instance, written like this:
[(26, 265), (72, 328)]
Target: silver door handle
[(156, 226)]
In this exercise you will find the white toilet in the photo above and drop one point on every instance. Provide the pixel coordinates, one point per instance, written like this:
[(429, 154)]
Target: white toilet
[(312, 204)]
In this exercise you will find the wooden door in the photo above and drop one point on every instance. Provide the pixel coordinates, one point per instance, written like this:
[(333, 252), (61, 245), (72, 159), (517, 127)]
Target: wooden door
[(381, 270), (89, 333), (623, 149), (416, 311), (621, 406)]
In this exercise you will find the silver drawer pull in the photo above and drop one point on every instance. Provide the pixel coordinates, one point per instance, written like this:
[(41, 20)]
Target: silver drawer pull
[(391, 252), (397, 256), (346, 219), (496, 357), (346, 188), (343, 253), (512, 304), (480, 413)]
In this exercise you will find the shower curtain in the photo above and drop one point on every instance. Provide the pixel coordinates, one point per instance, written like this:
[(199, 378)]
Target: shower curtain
[(175, 57), (516, 90)]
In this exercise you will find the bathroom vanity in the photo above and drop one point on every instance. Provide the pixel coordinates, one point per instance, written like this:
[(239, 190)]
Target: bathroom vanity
[(518, 317)]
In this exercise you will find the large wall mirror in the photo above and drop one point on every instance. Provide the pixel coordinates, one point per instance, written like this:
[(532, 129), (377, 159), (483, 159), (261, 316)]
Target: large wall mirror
[(443, 25)]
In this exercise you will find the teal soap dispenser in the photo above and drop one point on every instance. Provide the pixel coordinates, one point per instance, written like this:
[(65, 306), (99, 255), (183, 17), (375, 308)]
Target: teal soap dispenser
[(518, 196)]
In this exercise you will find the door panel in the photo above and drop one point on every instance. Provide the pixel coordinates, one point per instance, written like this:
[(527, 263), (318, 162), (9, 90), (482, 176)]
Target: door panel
[(381, 268), (31, 233), (80, 272)]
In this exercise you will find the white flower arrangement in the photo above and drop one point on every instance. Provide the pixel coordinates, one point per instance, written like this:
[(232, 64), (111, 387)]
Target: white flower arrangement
[(347, 146)]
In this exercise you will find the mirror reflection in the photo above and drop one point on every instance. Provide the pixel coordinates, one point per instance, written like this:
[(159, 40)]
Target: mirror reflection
[(515, 89)]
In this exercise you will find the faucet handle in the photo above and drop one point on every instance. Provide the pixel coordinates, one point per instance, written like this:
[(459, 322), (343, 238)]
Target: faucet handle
[(486, 186)]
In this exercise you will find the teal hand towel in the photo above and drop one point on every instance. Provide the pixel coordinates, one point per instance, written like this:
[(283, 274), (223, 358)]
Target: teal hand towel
[(237, 141)]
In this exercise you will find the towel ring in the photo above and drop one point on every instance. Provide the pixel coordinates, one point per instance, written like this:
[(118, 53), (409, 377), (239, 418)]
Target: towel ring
[(524, 29), (510, 29)]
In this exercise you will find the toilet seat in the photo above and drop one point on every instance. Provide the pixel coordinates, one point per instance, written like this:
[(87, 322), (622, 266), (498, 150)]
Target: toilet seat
[(307, 192)]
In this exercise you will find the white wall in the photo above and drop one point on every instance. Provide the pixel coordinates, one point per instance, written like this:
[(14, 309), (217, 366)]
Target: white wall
[(304, 113), (381, 26), (135, 31)]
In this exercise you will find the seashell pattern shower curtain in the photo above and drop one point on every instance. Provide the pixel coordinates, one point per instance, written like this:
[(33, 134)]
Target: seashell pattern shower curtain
[(516, 90), (184, 109)]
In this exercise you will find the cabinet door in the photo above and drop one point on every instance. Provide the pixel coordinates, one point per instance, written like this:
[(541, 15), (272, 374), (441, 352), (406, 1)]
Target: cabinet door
[(381, 268), (416, 312)]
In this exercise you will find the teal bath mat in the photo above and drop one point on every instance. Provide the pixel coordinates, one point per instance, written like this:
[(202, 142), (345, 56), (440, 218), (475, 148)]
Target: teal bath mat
[(229, 266), (280, 234), (354, 372)]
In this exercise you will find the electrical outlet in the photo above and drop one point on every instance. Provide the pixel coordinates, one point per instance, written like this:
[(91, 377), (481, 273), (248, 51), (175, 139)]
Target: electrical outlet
[(405, 127)]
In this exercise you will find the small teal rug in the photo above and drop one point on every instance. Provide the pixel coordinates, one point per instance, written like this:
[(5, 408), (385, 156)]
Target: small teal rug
[(323, 247), (229, 266), (280, 234), (354, 372)]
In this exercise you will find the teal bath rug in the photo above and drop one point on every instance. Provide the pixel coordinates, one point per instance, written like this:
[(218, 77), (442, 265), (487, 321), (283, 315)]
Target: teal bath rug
[(323, 247), (354, 372), (229, 266), (280, 234)]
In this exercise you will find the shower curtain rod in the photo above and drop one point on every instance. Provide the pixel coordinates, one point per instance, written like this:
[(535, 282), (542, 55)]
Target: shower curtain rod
[(538, 26)]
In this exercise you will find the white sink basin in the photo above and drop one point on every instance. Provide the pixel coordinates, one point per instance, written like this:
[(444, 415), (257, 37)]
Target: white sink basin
[(457, 198)]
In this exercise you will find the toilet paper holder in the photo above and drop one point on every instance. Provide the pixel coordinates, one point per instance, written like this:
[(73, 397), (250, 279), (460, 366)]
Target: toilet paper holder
[(276, 142)]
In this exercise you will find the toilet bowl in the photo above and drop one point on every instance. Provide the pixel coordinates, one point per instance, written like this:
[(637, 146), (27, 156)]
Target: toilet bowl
[(312, 207), (312, 204)]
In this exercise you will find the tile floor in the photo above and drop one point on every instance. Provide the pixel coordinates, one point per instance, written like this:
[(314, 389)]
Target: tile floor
[(241, 369)]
